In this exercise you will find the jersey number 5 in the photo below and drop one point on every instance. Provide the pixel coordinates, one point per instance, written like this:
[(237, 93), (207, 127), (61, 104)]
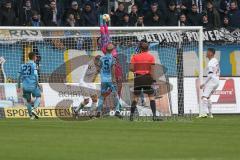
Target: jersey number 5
[(106, 65)]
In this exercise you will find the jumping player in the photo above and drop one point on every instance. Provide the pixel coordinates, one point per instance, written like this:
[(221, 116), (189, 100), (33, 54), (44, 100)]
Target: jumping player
[(105, 40), (210, 84), (108, 80), (28, 75)]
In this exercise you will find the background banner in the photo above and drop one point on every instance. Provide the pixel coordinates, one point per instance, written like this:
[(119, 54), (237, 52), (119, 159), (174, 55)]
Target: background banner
[(21, 112), (224, 99)]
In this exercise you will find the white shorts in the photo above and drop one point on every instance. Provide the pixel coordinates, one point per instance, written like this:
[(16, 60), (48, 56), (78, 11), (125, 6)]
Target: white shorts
[(209, 89)]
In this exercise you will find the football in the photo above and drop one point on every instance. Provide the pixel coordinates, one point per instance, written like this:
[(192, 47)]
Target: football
[(106, 17)]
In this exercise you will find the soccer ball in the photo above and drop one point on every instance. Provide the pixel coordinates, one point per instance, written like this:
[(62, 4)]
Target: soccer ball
[(106, 17)]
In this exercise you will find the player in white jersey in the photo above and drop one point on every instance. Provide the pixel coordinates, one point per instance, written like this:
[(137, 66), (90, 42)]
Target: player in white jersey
[(210, 85), (85, 104)]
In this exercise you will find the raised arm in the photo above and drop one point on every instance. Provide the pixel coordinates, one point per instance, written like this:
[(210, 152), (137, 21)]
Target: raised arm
[(105, 38)]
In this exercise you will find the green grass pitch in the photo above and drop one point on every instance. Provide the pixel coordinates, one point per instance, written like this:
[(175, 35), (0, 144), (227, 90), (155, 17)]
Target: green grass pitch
[(113, 139)]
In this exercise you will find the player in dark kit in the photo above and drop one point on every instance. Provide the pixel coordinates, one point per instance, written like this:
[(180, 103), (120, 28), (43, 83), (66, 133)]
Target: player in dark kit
[(142, 67)]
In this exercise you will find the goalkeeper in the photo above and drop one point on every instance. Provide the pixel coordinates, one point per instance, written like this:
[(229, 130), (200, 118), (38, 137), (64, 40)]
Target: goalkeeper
[(105, 40)]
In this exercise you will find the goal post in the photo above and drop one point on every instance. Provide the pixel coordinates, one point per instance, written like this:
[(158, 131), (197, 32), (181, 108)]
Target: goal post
[(67, 55)]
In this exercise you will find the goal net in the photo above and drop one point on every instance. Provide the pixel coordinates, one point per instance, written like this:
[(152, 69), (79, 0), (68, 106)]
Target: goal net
[(67, 71)]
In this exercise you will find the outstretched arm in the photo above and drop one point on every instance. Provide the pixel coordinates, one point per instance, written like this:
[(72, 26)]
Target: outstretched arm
[(105, 38)]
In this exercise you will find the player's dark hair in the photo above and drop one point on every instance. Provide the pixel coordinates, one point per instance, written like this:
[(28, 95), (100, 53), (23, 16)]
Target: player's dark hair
[(211, 50), (31, 55), (193, 5), (234, 1), (144, 45)]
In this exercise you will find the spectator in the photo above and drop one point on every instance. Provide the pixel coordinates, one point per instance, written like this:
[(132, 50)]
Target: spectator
[(140, 22), (162, 6), (205, 22), (234, 15), (103, 7), (201, 5), (51, 16), (7, 15), (71, 21), (35, 20), (126, 21), (183, 20), (181, 6), (143, 5), (90, 17), (34, 4), (226, 25), (14, 5), (134, 14), (224, 7), (25, 13), (172, 15), (157, 20), (213, 15), (127, 4), (148, 19), (194, 17), (117, 17), (76, 12)]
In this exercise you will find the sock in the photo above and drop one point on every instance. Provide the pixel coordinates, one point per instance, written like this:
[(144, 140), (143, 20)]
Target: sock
[(204, 106), (29, 108), (94, 106), (209, 107), (79, 107), (153, 107), (133, 107), (37, 102), (100, 104), (117, 101)]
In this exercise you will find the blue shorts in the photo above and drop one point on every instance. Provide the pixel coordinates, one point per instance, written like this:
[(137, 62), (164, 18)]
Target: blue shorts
[(108, 86), (27, 94)]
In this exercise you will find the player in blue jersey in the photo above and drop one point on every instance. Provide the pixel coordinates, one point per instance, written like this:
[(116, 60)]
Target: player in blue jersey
[(28, 75), (108, 80)]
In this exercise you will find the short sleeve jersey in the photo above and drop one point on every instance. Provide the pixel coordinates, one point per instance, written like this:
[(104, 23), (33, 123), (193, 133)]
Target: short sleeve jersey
[(106, 63), (142, 63)]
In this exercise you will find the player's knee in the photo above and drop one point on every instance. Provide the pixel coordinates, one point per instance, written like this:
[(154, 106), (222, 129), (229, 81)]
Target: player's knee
[(204, 99), (151, 97), (134, 103), (209, 102)]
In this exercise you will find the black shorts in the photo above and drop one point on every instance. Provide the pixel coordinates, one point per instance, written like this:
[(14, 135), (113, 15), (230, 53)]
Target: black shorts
[(143, 83)]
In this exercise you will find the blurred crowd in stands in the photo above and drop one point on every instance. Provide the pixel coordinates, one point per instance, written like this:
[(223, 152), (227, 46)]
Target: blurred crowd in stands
[(207, 13)]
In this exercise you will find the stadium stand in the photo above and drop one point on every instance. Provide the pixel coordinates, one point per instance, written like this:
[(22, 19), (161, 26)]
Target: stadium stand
[(208, 13)]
